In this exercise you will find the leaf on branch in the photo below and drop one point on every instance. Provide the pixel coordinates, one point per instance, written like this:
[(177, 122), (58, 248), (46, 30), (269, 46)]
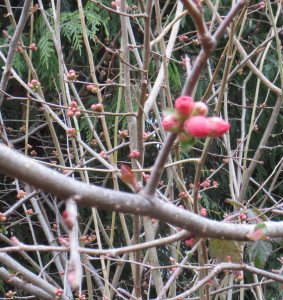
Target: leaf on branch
[(259, 233), (257, 212), (128, 175), (234, 203), (259, 252), (187, 145), (3, 230), (220, 250)]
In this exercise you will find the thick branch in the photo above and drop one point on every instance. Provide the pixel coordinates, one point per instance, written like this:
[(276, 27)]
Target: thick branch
[(16, 165)]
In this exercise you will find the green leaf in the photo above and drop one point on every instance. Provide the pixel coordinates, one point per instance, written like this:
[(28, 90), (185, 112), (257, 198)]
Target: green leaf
[(174, 75), (259, 233), (261, 226), (235, 203), (220, 249), (259, 213), (187, 145), (45, 50), (259, 252), (170, 111), (3, 230), (127, 175)]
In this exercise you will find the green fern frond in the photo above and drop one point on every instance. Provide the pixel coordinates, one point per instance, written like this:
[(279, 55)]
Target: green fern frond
[(174, 75), (45, 49), (19, 65)]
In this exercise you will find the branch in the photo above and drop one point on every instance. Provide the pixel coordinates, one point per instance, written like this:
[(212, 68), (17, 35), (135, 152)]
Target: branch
[(183, 234), (75, 271), (12, 49), (17, 165), (228, 266), (24, 286), (260, 148), (28, 275)]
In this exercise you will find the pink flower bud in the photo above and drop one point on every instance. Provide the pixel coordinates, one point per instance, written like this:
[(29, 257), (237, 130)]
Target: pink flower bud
[(203, 212), (21, 194), (200, 108), (15, 241), (3, 218), (74, 104), (35, 82), (218, 127), (70, 113), (97, 107), (170, 123), (198, 126), (124, 133), (190, 242), (92, 88), (184, 105), (183, 195), (115, 4), (33, 46), (63, 241), (103, 154), (135, 154), (71, 75), (71, 130)]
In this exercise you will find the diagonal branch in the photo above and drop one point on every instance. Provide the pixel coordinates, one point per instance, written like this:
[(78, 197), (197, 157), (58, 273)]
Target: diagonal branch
[(12, 49)]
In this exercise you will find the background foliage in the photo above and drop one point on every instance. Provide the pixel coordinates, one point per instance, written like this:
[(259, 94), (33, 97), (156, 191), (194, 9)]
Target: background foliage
[(251, 29)]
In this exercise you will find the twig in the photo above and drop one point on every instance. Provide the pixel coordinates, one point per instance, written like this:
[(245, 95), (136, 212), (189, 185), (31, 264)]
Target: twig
[(12, 49), (228, 266), (118, 12), (74, 263)]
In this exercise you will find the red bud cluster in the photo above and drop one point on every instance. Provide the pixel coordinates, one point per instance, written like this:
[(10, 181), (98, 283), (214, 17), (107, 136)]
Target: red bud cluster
[(73, 110), (124, 133), (103, 154), (64, 241), (58, 293), (146, 135), (190, 242), (10, 294), (183, 38), (97, 107), (29, 212), (21, 194), (71, 132), (34, 84), (115, 4), (72, 75), (135, 154), (33, 47), (189, 120), (87, 239), (183, 195), (3, 218), (92, 88)]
